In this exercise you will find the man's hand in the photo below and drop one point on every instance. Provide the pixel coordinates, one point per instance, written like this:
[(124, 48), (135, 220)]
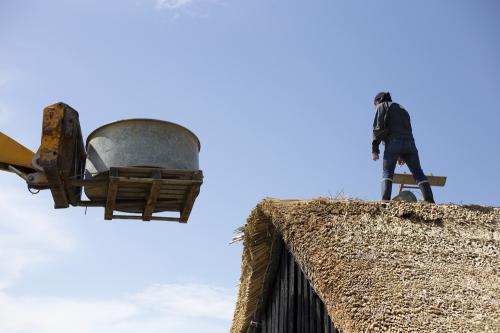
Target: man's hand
[(401, 162), (374, 156)]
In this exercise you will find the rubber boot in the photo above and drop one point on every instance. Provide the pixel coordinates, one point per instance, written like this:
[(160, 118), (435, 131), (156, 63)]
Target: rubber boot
[(386, 189), (426, 191)]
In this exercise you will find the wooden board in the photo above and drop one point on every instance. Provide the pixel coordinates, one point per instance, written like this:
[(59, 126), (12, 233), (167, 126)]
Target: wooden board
[(407, 179)]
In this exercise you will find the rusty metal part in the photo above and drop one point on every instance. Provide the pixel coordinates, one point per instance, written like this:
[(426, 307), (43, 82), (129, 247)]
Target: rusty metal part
[(38, 181), (35, 162), (62, 154)]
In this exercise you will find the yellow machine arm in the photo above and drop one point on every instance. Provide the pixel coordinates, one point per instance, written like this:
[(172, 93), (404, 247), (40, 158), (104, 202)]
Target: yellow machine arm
[(59, 159), (15, 155)]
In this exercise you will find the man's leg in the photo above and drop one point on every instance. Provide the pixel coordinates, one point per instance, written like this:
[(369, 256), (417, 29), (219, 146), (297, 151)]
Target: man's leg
[(389, 164), (413, 161)]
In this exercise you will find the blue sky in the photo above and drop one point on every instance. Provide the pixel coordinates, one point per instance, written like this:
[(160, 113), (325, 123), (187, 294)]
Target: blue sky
[(280, 94)]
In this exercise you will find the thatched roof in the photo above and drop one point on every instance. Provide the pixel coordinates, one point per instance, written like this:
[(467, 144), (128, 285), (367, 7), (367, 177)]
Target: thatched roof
[(382, 267)]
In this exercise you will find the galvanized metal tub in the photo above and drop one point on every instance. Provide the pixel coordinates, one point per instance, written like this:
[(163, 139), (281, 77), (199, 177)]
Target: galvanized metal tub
[(138, 143)]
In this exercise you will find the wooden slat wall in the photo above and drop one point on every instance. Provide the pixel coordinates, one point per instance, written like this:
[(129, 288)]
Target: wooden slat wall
[(292, 305)]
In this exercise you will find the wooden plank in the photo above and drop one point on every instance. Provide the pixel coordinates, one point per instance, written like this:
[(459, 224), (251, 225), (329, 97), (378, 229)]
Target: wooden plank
[(276, 302), (162, 181), (300, 301), (170, 201), (401, 186), (269, 316), (172, 197), (112, 191), (310, 305), (144, 185), (131, 203), (263, 322), (146, 192), (139, 211), (145, 195), (292, 309), (165, 218), (189, 202), (153, 196), (139, 208), (307, 307), (318, 315), (326, 318), (283, 293), (153, 218), (404, 178), (271, 278), (163, 190), (437, 180), (280, 312)]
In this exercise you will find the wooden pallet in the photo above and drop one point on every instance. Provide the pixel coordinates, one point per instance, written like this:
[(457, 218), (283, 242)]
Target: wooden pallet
[(145, 191)]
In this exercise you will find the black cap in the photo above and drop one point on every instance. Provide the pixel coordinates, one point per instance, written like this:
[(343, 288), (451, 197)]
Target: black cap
[(382, 97)]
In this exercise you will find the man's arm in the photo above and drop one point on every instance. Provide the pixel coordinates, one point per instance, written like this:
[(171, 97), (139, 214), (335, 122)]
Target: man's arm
[(378, 128)]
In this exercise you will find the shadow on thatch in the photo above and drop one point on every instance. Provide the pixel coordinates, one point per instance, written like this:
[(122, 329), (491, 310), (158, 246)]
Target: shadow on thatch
[(381, 267)]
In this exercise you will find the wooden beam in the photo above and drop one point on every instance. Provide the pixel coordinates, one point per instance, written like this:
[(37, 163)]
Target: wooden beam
[(153, 218), (163, 190), (292, 297), (154, 193), (162, 181), (404, 178), (189, 202), (112, 191)]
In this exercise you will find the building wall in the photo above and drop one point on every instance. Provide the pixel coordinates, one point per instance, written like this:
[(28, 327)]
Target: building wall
[(290, 304)]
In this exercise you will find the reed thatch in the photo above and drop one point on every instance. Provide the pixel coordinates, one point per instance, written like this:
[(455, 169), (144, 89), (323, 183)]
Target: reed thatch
[(382, 267)]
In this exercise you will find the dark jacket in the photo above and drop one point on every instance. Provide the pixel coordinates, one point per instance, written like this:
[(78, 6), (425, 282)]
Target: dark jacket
[(391, 121)]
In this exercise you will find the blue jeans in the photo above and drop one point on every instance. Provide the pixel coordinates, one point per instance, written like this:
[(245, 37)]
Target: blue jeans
[(407, 150)]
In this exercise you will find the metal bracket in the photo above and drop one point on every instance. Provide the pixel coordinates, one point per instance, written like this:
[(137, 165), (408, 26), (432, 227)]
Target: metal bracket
[(62, 153)]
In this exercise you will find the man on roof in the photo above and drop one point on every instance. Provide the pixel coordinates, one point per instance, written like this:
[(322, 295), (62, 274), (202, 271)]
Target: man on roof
[(392, 126)]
